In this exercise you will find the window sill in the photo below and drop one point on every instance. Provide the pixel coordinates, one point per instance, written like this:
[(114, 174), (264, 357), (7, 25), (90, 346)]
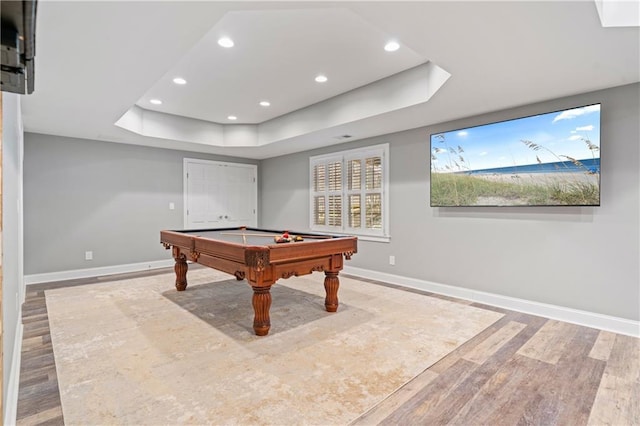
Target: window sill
[(375, 238)]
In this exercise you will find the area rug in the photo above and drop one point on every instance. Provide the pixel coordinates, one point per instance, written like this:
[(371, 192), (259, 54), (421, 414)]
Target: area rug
[(137, 351)]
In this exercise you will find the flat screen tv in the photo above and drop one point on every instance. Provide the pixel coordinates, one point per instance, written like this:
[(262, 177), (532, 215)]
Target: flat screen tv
[(550, 159)]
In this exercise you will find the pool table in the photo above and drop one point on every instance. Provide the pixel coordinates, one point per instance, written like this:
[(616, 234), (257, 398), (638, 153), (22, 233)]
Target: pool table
[(254, 255)]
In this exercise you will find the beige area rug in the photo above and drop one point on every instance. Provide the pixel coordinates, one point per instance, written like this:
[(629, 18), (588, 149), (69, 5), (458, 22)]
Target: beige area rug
[(139, 352)]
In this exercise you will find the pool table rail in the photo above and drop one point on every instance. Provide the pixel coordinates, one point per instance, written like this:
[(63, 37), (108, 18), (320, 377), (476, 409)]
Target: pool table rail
[(289, 259)]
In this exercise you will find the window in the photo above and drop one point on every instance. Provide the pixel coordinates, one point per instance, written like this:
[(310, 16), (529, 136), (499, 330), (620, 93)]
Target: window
[(348, 192)]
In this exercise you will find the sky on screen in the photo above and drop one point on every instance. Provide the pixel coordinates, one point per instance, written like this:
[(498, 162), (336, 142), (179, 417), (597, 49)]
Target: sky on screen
[(500, 144)]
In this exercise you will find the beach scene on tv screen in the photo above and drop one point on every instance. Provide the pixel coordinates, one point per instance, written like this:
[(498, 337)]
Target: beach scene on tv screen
[(550, 159)]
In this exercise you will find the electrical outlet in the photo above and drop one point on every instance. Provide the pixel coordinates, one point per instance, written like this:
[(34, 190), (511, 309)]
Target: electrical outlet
[(392, 260), (172, 206), (88, 255)]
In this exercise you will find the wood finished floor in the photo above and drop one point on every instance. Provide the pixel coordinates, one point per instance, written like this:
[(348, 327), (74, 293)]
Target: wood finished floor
[(522, 370)]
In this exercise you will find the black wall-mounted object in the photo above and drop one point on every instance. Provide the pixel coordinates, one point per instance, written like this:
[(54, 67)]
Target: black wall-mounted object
[(18, 47)]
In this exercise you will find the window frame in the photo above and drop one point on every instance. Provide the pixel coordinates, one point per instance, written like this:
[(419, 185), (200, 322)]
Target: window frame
[(344, 157)]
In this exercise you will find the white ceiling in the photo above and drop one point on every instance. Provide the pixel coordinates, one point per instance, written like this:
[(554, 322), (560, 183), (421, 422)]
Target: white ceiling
[(276, 56), (98, 63)]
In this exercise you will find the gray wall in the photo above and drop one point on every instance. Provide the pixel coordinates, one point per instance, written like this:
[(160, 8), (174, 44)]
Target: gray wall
[(12, 270), (113, 199), (579, 257)]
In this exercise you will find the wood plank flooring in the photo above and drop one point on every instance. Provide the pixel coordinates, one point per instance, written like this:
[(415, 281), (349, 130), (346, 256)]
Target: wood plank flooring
[(522, 370)]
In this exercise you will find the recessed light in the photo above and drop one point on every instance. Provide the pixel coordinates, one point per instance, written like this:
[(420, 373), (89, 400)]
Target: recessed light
[(321, 78), (232, 117), (265, 103), (156, 101), (392, 46), (179, 80), (225, 42)]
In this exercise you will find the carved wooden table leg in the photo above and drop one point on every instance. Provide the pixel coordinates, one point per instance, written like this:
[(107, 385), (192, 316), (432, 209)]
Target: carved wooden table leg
[(331, 284), (261, 306), (181, 268)]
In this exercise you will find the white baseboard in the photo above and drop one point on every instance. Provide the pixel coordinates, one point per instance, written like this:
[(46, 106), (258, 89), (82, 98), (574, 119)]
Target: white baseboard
[(96, 272), (13, 386), (561, 313)]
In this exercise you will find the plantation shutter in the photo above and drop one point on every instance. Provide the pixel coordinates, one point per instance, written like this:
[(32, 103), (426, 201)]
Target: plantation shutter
[(354, 193), (327, 193), (373, 203), (334, 194), (319, 197), (349, 192)]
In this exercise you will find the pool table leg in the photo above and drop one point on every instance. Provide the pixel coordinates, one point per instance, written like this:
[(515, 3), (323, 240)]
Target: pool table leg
[(331, 284), (261, 306), (181, 268)]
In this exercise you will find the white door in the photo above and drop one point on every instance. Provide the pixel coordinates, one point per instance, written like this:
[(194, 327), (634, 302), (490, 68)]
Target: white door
[(219, 194), (203, 209), (241, 195)]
